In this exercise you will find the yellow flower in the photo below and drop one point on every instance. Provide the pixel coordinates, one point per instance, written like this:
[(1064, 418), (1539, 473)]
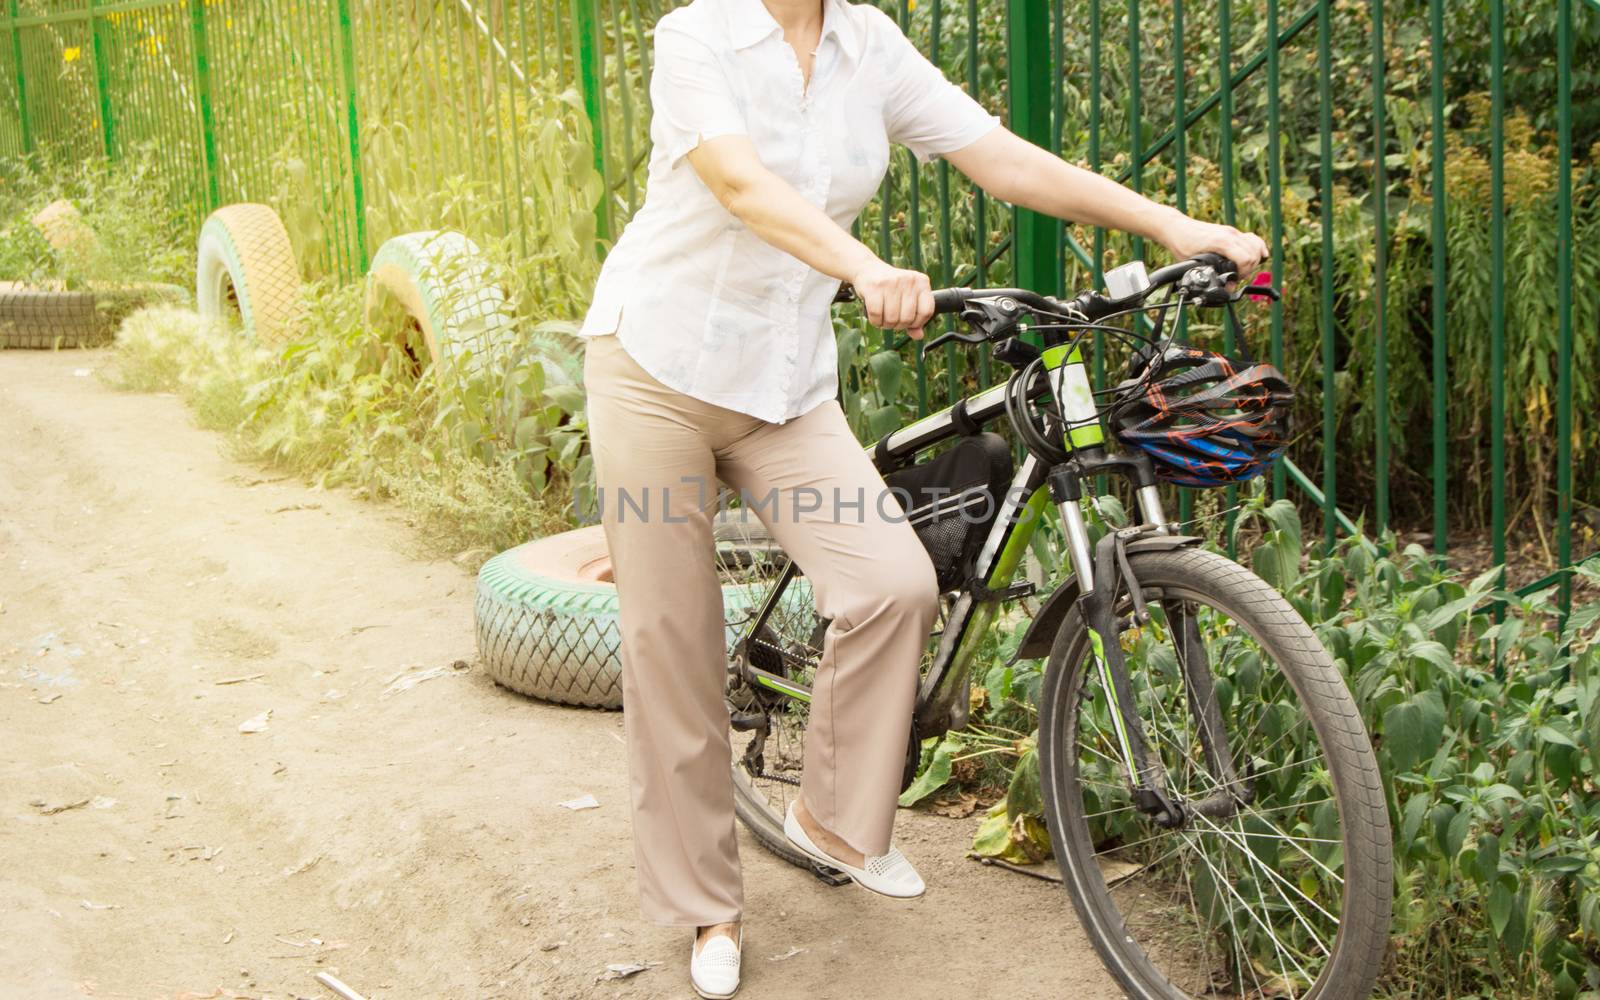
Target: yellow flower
[(70, 54)]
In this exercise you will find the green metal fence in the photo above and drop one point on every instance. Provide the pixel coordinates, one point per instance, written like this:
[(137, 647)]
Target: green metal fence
[(1436, 317)]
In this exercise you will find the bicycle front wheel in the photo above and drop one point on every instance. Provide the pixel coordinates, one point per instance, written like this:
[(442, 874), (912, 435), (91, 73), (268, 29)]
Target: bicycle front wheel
[(1284, 890)]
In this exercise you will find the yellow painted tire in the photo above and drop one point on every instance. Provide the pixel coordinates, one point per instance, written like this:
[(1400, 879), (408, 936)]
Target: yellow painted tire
[(246, 267), (63, 227)]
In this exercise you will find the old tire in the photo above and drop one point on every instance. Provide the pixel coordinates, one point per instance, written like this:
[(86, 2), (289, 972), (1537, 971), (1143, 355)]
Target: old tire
[(63, 226), (42, 318), (446, 287), (546, 616), (244, 262)]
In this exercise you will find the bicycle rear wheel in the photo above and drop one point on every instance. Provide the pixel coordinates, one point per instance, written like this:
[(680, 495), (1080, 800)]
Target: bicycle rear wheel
[(1284, 890), (768, 725)]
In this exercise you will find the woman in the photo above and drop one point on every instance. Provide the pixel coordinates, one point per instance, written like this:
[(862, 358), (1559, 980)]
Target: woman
[(712, 357)]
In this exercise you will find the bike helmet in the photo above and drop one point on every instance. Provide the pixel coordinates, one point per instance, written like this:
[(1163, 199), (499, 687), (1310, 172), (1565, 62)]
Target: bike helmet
[(1205, 419)]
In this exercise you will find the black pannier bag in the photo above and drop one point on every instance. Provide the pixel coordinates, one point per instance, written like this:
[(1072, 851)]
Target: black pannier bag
[(953, 500)]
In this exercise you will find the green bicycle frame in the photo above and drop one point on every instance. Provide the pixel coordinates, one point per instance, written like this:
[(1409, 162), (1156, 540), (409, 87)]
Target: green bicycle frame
[(941, 700)]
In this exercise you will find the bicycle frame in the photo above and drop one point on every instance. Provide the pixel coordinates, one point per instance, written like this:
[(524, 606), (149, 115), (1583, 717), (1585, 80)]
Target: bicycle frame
[(941, 699)]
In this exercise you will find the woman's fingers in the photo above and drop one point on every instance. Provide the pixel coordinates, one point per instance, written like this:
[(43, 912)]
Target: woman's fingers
[(924, 310), (909, 295), (896, 299)]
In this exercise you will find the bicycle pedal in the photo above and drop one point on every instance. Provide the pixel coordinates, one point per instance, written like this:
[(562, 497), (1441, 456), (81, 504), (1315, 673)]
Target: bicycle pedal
[(829, 876)]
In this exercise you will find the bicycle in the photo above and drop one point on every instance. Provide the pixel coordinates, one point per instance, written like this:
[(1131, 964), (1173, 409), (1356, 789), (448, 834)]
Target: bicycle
[(1217, 813)]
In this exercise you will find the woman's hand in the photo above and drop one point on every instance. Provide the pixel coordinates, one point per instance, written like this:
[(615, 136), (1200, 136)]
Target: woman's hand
[(1186, 237), (895, 299)]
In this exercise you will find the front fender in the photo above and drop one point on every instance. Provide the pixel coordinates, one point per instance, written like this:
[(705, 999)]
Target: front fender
[(1041, 635)]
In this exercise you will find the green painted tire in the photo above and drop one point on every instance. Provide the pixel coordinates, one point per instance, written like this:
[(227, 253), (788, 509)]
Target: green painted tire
[(546, 616), (444, 284)]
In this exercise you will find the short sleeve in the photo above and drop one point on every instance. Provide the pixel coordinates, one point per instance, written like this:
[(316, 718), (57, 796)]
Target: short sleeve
[(924, 111), (691, 96)]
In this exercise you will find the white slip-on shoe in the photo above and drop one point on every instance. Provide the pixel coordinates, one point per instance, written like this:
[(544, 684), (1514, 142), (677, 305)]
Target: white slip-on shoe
[(887, 874), (714, 968)]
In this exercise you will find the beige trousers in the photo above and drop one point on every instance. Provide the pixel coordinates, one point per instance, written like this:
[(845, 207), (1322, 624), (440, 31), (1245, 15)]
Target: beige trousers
[(657, 456)]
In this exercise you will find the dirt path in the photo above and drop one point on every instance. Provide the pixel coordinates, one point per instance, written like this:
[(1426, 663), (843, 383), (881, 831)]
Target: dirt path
[(154, 596)]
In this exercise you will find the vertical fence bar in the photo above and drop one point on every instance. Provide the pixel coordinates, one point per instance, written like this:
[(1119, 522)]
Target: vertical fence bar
[(1229, 209), (1330, 425), (1380, 269), (1094, 165), (946, 265), (1275, 209), (102, 83), (1180, 185), (22, 83), (914, 213), (1135, 113), (1564, 296), (347, 56), (1497, 281), (980, 203), (202, 82), (625, 95), (1441, 475), (586, 40), (1028, 75)]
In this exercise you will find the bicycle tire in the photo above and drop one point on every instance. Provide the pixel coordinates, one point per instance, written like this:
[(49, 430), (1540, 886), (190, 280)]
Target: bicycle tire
[(751, 808), (1357, 954)]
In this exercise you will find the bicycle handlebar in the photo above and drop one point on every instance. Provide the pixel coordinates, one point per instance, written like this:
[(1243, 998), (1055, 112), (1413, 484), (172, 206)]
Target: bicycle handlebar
[(1091, 304)]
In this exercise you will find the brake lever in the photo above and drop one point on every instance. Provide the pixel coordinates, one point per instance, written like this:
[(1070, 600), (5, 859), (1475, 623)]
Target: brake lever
[(1257, 291), (965, 338)]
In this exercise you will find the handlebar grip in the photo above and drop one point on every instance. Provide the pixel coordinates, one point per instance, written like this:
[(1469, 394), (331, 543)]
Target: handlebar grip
[(1218, 263), (949, 300)]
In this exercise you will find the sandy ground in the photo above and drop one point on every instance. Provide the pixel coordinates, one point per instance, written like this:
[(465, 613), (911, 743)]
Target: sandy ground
[(155, 596)]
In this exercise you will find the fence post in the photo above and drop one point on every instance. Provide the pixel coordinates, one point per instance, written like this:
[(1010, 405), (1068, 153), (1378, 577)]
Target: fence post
[(102, 82), (22, 82), (591, 73), (202, 81), (347, 53), (1564, 298), (1028, 82)]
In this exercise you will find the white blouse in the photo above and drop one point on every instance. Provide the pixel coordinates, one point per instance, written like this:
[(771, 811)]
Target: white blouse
[(702, 303)]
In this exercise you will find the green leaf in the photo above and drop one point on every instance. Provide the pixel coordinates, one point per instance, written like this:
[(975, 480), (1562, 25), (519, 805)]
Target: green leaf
[(886, 370), (1500, 902), (1550, 734), (1412, 814), (1024, 795), (1487, 864), (934, 776), (994, 833), (1456, 835), (569, 397), (883, 420), (1591, 731), (1403, 736)]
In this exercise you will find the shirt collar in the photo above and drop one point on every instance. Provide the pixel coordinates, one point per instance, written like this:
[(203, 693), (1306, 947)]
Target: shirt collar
[(751, 22)]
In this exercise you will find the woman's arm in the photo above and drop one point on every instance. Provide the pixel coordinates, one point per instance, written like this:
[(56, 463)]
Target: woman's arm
[(895, 299), (1014, 170)]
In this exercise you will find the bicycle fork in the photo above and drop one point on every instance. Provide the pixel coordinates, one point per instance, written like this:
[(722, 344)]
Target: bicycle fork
[(1101, 570)]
